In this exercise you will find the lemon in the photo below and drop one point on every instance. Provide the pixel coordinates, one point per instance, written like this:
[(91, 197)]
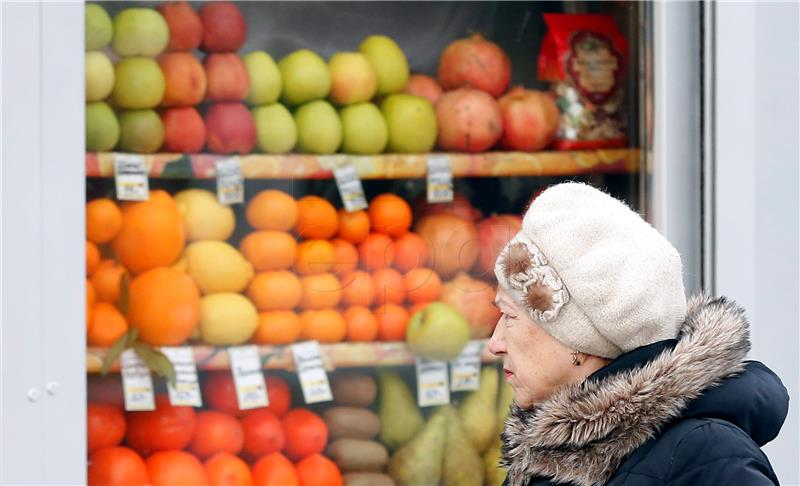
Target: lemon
[(216, 266), (204, 217), (227, 318)]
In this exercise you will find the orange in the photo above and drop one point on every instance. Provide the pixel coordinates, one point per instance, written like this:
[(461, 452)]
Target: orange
[(91, 298), (392, 322), (410, 251), (389, 214), (320, 291), (353, 227), (152, 233), (277, 327), (269, 250), (164, 305), (173, 468), (274, 470), (277, 290), (314, 256), (262, 433), (107, 279), (318, 470), (389, 285), (325, 326), (216, 432), (305, 433), (225, 469), (219, 392), (107, 325), (280, 397), (103, 220), (272, 210), (92, 258), (316, 218), (116, 466), (166, 427), (361, 324), (357, 289), (423, 285), (105, 426), (376, 251), (345, 256)]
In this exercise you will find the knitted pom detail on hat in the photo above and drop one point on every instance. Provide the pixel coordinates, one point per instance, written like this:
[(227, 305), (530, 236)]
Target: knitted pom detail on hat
[(517, 260), (540, 297)]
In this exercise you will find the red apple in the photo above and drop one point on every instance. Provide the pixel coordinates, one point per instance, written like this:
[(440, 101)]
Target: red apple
[(184, 130), (224, 28), (230, 128), (530, 119), (185, 26), (493, 234), (227, 77), (184, 79), (425, 86)]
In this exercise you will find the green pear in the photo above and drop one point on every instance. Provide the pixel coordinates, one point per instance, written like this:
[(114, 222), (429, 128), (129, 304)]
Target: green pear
[(102, 127), (98, 28), (389, 62), (495, 473), (319, 130), (276, 132), (411, 122), (305, 77), (99, 76), (506, 396), (138, 83), (364, 129), (353, 80), (478, 411), (419, 462), (141, 131), (397, 409), (139, 32), (265, 78), (462, 464), (437, 331)]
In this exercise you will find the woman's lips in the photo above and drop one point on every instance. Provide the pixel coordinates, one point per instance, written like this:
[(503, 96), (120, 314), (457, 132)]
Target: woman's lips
[(508, 373)]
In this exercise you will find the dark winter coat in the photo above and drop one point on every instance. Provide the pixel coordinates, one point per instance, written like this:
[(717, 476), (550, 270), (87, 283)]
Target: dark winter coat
[(689, 411)]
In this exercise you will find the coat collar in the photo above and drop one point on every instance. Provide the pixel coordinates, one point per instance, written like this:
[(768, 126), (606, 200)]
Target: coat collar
[(583, 432)]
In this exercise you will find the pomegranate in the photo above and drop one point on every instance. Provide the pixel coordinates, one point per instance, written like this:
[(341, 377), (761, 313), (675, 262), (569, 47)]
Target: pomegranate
[(474, 299), (530, 119), (452, 243), (493, 234), (469, 121), (425, 86), (475, 62), (459, 207)]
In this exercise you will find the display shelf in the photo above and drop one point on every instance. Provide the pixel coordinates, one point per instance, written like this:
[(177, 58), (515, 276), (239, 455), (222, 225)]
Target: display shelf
[(385, 166), (340, 355)]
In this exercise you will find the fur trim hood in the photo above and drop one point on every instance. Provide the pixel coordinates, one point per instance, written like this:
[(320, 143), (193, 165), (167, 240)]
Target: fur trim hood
[(583, 432)]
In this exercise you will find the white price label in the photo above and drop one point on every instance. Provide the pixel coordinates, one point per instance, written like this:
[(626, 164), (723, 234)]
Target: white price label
[(186, 391), (137, 384), (350, 188), (251, 390), (311, 371), (432, 386), (465, 371), (440, 179), (130, 177), (230, 181)]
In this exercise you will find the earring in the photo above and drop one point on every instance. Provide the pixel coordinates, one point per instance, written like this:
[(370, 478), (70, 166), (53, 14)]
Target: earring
[(575, 360)]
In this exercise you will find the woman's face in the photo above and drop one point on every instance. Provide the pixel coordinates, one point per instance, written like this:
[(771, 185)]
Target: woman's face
[(535, 363)]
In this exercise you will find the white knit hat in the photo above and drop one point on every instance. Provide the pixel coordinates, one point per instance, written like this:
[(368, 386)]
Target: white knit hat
[(593, 273)]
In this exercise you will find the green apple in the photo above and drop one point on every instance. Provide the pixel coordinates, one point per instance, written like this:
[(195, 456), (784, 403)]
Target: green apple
[(265, 78), (305, 77), (411, 121), (99, 76), (138, 83), (363, 129), (389, 62), (352, 78), (139, 32), (276, 132), (102, 127), (437, 331), (319, 130), (98, 28), (141, 131)]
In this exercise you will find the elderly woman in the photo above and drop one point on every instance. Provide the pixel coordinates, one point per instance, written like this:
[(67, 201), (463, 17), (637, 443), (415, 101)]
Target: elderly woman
[(616, 378)]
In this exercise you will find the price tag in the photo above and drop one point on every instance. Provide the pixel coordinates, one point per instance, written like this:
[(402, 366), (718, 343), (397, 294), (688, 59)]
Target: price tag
[(465, 371), (137, 384), (432, 386), (251, 390), (130, 176), (186, 391), (440, 179), (230, 181), (311, 371), (350, 189)]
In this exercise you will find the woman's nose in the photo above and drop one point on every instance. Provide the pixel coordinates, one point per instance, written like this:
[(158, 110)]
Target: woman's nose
[(497, 343)]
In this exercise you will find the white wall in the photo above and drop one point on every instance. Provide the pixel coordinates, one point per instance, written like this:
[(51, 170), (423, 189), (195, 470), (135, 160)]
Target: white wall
[(757, 217)]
